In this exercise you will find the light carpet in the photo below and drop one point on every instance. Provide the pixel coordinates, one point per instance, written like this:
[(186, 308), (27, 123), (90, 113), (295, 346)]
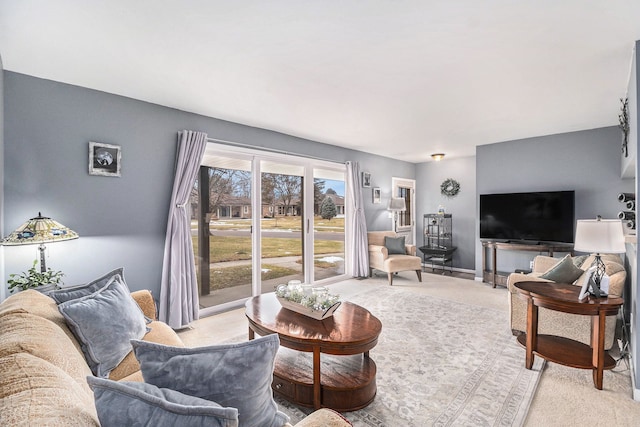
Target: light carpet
[(441, 363)]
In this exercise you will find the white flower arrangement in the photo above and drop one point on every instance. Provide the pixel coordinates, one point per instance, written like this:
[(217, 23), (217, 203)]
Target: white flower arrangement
[(317, 299)]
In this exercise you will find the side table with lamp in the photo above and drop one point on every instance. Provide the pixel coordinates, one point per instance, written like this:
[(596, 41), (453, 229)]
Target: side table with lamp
[(38, 230), (594, 236)]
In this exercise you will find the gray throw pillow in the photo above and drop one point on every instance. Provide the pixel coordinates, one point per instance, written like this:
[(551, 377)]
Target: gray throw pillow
[(579, 260), (140, 404), (564, 271), (74, 292), (104, 323), (233, 375), (395, 245)]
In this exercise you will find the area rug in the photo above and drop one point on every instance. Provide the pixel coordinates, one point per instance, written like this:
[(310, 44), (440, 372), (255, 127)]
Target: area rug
[(441, 363)]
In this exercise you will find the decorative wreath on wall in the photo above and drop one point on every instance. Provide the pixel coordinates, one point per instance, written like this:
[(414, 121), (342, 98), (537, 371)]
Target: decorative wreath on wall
[(450, 187)]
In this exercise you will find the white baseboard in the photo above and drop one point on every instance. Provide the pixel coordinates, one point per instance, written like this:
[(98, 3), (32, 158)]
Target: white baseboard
[(456, 269), (634, 387), (464, 270)]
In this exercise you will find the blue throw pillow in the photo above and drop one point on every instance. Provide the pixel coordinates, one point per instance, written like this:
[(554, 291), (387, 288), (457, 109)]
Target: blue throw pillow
[(139, 404), (395, 245), (104, 323), (74, 292), (232, 375)]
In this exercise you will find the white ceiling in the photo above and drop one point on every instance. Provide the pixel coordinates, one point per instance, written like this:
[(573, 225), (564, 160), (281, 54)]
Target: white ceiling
[(402, 79)]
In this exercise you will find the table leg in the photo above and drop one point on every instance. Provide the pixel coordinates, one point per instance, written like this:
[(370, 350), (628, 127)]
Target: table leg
[(597, 344), (494, 265), (251, 334), (532, 331), (316, 378)]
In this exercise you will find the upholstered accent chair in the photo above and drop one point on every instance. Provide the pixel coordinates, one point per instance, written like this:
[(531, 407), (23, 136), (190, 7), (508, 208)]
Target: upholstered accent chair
[(388, 253)]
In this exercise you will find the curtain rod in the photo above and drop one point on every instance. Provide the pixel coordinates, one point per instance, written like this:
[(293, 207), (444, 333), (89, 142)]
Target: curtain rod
[(270, 150)]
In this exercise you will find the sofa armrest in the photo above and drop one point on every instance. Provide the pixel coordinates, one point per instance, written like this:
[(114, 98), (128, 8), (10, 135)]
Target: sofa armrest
[(521, 277), (542, 263), (324, 417), (616, 283), (146, 303)]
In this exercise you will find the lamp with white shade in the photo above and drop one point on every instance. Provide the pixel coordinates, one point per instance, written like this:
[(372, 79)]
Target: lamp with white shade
[(599, 236), (396, 205)]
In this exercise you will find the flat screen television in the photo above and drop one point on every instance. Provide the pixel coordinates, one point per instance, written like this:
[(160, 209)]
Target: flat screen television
[(547, 216)]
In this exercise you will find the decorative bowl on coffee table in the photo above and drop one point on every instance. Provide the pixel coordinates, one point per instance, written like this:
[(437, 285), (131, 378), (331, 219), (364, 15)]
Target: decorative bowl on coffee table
[(307, 311)]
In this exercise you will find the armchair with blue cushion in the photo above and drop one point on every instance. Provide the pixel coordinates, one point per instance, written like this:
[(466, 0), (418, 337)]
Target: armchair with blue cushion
[(389, 253)]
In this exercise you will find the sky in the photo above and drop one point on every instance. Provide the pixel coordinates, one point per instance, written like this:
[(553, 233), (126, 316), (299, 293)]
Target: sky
[(337, 186)]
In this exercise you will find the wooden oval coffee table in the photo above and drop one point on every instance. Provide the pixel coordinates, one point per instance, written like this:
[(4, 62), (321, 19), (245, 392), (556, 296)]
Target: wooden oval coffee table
[(344, 378)]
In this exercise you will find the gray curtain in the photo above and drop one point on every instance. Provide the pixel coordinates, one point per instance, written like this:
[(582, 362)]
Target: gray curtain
[(179, 303), (360, 254)]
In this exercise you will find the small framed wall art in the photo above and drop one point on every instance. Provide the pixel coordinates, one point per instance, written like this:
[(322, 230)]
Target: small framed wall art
[(376, 195), (366, 179), (104, 159)]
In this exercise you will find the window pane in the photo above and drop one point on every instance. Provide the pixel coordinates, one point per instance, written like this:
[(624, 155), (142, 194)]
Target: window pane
[(221, 220), (281, 233), (404, 217), (328, 223)]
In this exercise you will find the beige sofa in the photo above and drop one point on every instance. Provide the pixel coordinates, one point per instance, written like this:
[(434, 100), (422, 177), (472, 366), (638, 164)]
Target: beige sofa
[(43, 370), (566, 325), (380, 259)]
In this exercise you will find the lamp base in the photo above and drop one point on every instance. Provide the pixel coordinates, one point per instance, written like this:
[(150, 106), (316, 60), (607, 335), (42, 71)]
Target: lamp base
[(596, 279), (43, 264)]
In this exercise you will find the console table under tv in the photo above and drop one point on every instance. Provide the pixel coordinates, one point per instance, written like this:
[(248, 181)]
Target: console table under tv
[(495, 277)]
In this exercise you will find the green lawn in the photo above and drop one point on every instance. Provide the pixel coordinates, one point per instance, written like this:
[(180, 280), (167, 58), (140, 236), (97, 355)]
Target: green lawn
[(241, 275), (224, 249), (239, 248), (279, 223)]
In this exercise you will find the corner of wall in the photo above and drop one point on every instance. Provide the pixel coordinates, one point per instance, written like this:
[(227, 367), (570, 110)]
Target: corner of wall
[(634, 139), (3, 287)]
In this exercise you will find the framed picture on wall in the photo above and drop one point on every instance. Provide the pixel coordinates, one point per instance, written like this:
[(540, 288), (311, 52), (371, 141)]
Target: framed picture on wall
[(376, 195), (366, 179), (104, 159)]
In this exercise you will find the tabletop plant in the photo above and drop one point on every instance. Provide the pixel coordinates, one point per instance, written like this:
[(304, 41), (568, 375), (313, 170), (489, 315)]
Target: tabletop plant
[(33, 278), (318, 300)]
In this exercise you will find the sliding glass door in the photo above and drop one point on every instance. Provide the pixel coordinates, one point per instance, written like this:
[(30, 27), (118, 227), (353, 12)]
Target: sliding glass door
[(260, 219), (281, 224), (222, 230), (328, 223)]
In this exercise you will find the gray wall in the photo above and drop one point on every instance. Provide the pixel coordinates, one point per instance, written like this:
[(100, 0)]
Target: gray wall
[(382, 170), (429, 176), (632, 250), (121, 221), (2, 288), (586, 161)]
